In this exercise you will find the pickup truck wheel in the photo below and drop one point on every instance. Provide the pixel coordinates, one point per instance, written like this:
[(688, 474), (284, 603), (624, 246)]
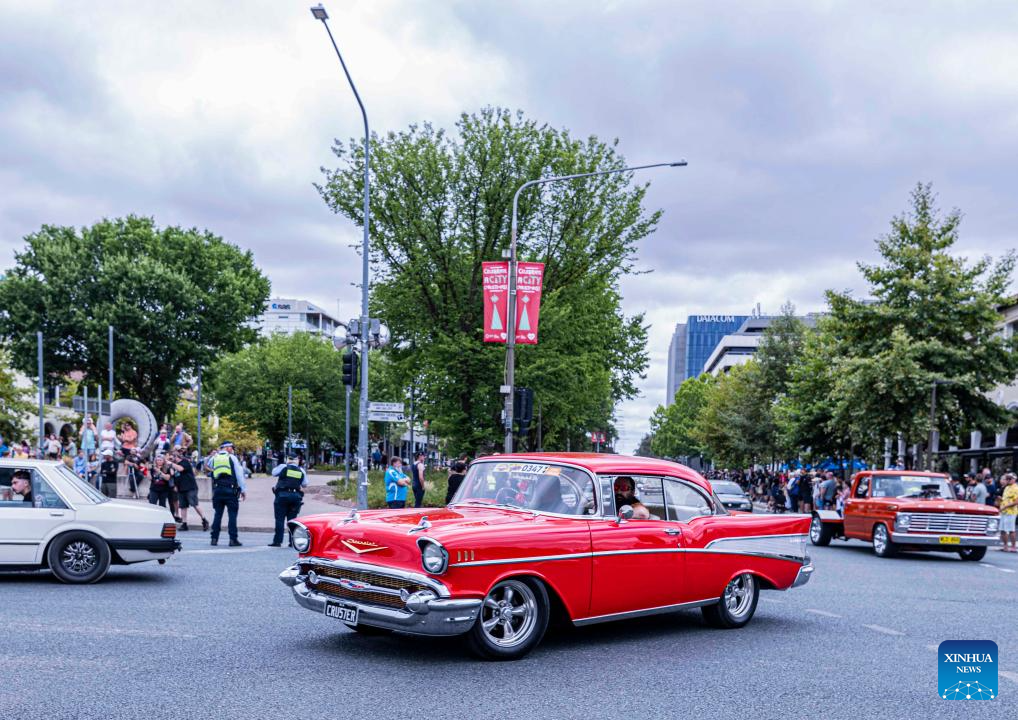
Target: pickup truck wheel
[(882, 544), (973, 553), (737, 604), (820, 534), (512, 620), (79, 557)]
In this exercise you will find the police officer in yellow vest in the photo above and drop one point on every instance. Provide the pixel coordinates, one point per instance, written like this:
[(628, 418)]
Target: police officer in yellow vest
[(228, 486), (289, 492)]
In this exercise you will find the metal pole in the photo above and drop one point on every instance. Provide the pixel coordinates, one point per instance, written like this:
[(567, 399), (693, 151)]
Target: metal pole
[(933, 422), (510, 340), (289, 417), (346, 443), (362, 431), (42, 425), (540, 443), (413, 446), (111, 369), (200, 454)]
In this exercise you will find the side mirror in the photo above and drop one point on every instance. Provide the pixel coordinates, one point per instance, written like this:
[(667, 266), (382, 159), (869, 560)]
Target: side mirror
[(625, 513)]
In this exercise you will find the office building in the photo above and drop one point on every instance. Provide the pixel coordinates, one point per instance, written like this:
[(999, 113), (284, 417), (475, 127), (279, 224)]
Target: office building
[(692, 344), (288, 316)]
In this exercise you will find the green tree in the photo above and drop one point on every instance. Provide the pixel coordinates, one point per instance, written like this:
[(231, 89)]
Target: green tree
[(441, 205), (251, 388), (780, 347), (734, 425), (14, 402), (673, 427), (645, 448), (933, 315), (178, 299)]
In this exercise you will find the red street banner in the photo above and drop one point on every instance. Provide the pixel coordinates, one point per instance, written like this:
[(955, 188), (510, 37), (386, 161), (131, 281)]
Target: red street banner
[(530, 276), (495, 282)]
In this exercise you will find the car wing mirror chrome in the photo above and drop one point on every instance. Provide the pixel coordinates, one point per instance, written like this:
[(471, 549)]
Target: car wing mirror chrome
[(625, 513)]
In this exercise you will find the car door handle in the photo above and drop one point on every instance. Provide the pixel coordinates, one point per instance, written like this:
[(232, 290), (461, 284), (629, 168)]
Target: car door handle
[(56, 513), (673, 531)]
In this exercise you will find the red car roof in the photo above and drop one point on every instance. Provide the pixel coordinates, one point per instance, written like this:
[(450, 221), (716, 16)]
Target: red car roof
[(611, 464)]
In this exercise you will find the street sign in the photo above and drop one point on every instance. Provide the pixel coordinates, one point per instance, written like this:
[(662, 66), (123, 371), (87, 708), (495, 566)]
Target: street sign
[(391, 407), (383, 416)]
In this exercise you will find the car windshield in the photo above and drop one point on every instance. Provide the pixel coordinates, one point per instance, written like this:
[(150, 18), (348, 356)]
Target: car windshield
[(540, 487), (725, 487), (80, 485), (910, 486)]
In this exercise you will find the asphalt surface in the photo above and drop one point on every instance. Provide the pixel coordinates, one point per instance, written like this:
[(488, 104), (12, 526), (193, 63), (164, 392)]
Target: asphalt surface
[(214, 634)]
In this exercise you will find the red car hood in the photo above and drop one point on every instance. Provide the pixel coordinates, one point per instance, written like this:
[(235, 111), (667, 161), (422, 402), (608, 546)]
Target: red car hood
[(383, 536), (939, 505)]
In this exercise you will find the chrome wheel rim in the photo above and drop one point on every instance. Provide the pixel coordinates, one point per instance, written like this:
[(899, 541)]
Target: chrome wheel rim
[(509, 614), (738, 595), (79, 557), (814, 529), (880, 539)]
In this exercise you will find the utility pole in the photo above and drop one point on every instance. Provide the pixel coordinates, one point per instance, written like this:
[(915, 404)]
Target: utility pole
[(42, 425), (200, 454), (346, 443), (289, 418), (111, 369)]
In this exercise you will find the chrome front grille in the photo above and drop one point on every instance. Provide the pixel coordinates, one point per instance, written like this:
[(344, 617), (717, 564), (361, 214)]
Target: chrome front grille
[(366, 586), (948, 523)]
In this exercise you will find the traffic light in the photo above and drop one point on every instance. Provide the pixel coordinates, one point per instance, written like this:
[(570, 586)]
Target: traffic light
[(523, 408), (350, 368)]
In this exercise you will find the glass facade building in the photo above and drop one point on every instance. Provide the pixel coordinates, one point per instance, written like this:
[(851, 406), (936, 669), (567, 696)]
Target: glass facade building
[(692, 345)]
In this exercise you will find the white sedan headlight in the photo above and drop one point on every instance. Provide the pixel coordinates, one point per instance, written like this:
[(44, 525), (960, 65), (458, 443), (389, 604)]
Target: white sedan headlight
[(300, 538), (434, 557), (992, 526)]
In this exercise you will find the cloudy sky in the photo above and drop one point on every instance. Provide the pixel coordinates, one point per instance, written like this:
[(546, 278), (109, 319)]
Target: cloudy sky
[(805, 126)]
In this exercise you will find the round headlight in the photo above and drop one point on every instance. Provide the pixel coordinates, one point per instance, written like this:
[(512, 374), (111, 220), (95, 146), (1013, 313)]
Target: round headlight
[(300, 538), (434, 557), (992, 525), (903, 521)]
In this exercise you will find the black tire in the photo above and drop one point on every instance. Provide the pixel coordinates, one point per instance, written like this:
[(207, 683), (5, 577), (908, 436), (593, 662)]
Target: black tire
[(820, 533), (79, 557), (975, 554), (736, 605), (495, 635), (369, 630), (882, 544)]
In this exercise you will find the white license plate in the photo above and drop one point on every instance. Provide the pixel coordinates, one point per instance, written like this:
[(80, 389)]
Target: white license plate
[(341, 612)]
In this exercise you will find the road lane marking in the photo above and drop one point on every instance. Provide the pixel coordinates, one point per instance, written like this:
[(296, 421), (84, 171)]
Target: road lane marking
[(1012, 676), (882, 629), (822, 612), (231, 551), (1007, 570)]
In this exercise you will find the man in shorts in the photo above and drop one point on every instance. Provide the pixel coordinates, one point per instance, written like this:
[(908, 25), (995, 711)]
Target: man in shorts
[(187, 487), (1008, 512)]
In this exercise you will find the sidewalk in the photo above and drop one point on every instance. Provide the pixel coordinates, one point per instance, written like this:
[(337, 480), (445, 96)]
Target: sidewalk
[(256, 513)]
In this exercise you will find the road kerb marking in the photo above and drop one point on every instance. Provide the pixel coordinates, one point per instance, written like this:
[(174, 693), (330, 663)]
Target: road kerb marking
[(882, 629), (1012, 676), (822, 612)]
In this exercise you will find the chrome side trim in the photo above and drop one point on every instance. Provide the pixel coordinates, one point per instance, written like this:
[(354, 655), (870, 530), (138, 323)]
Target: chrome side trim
[(440, 589), (509, 561), (793, 557), (801, 536), (644, 613), (773, 556)]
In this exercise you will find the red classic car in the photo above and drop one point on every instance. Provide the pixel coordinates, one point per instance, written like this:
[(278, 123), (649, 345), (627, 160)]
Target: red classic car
[(587, 537), (908, 510)]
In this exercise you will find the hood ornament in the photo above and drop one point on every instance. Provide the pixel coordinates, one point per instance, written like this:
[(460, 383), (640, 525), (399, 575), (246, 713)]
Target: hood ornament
[(424, 524), (352, 517)]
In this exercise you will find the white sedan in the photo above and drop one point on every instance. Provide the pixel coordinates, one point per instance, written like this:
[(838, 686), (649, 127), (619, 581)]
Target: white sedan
[(50, 518)]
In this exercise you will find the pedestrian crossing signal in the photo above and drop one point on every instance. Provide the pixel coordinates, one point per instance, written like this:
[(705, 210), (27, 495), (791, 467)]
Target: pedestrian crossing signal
[(350, 368)]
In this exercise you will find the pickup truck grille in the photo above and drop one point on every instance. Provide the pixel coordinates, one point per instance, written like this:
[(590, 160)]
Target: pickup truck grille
[(383, 590), (947, 523)]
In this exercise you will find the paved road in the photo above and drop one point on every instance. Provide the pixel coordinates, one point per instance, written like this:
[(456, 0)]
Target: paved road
[(213, 634)]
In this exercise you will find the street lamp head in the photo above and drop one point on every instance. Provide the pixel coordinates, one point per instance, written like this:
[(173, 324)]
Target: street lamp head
[(680, 163), (319, 12), (340, 339), (382, 337)]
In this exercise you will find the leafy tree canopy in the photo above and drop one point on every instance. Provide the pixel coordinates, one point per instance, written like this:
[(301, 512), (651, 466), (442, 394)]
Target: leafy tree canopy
[(176, 298), (673, 427), (14, 402), (441, 204)]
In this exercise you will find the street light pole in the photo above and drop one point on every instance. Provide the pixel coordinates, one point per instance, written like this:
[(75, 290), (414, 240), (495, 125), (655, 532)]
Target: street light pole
[(362, 431), (42, 427), (289, 418), (111, 369), (933, 419), (510, 341)]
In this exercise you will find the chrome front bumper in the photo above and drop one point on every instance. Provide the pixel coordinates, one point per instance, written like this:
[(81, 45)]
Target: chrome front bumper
[(803, 576), (902, 538), (437, 616)]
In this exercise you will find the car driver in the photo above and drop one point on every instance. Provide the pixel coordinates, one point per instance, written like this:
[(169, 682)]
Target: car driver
[(21, 484), (625, 494)]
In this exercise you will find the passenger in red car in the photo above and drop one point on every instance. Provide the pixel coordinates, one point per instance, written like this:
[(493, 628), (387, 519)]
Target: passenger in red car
[(625, 494)]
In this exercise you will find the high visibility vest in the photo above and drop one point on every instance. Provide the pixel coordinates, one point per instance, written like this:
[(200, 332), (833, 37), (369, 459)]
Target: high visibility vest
[(290, 479), (222, 466)]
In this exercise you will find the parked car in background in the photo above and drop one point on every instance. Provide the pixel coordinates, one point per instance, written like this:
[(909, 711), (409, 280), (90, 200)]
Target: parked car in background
[(732, 496), (532, 535), (66, 525), (908, 510)]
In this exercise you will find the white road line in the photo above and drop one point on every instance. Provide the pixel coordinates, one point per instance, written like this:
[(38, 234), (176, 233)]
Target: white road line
[(882, 629), (1007, 570), (986, 565), (822, 612), (1012, 676), (231, 551), (933, 647), (772, 600)]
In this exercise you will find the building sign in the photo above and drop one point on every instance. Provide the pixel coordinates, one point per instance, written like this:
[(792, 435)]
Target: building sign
[(529, 278), (495, 283), (385, 407), (715, 318), (280, 306)]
